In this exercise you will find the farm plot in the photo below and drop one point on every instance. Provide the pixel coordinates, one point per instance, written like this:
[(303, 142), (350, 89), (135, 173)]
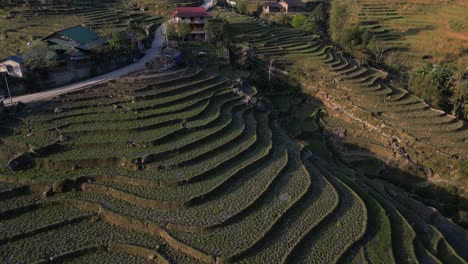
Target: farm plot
[(417, 28), (37, 22), (193, 173), (363, 86)]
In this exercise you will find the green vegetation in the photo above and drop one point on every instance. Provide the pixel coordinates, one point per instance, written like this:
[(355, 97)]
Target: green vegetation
[(190, 166), (196, 173), (183, 30), (21, 24), (304, 23), (407, 38), (216, 29), (442, 87)]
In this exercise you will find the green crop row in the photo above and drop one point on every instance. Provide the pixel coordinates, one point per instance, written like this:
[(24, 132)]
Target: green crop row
[(244, 234), (164, 194)]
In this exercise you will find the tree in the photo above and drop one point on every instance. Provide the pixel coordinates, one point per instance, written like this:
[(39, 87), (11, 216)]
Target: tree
[(171, 31), (117, 42), (37, 56), (344, 25), (318, 15), (304, 23), (136, 31), (339, 15), (391, 57), (459, 98), (183, 30), (377, 49), (216, 29), (242, 6), (283, 19)]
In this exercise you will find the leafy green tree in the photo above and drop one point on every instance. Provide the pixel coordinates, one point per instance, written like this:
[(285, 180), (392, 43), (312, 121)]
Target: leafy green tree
[(117, 42), (304, 23), (171, 31), (37, 57), (216, 29), (339, 19), (319, 13), (183, 30), (242, 6), (135, 30), (434, 83), (351, 36), (459, 99), (283, 19)]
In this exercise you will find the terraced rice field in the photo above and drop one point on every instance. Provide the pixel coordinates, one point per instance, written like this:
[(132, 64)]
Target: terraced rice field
[(423, 28), (115, 19), (363, 86), (38, 22), (180, 169)]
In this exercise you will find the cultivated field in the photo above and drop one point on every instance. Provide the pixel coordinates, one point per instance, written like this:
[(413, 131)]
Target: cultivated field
[(21, 24), (431, 30), (436, 138), (182, 169)]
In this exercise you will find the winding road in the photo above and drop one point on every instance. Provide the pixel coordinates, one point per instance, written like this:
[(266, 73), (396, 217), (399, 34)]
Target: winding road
[(150, 54)]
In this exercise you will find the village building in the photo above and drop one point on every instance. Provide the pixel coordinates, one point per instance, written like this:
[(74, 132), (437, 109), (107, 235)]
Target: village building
[(13, 66), (74, 46), (271, 7), (73, 50), (292, 6), (196, 17)]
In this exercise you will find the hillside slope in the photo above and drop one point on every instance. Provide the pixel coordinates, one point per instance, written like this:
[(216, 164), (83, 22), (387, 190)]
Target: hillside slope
[(186, 169), (425, 30)]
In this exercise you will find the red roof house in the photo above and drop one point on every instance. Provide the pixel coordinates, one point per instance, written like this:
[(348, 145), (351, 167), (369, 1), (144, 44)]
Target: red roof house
[(190, 12), (195, 17)]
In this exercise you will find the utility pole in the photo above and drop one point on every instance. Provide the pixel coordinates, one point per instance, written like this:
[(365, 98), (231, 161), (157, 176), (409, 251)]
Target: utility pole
[(270, 68), (8, 88)]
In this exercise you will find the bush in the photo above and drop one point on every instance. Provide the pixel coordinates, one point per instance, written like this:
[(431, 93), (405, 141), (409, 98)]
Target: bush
[(304, 23), (242, 6), (117, 42), (281, 18), (216, 29)]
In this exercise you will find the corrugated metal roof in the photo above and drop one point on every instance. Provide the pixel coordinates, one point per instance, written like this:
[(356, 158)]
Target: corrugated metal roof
[(74, 44), (92, 45), (64, 42), (80, 34)]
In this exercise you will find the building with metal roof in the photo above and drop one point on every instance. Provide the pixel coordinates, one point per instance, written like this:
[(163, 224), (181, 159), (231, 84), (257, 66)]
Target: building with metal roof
[(74, 46), (77, 37)]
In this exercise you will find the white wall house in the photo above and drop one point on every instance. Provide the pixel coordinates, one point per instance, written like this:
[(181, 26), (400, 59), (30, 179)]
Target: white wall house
[(13, 66)]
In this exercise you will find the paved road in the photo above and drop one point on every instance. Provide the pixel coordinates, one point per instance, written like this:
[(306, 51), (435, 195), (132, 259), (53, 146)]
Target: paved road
[(149, 55)]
